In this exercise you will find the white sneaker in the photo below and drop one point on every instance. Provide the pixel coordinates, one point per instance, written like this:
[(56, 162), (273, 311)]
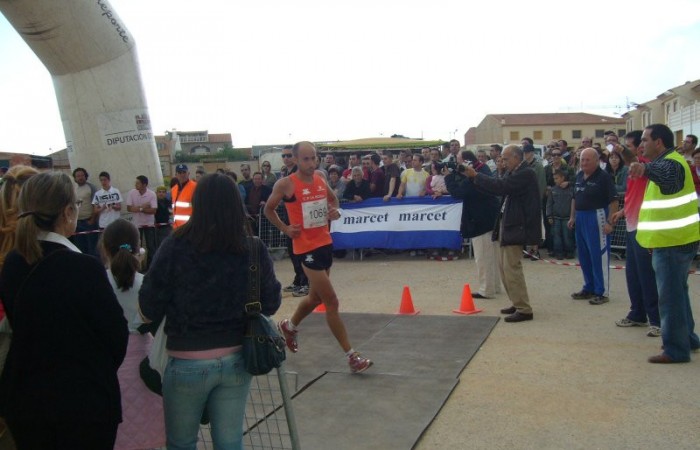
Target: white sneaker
[(629, 323)]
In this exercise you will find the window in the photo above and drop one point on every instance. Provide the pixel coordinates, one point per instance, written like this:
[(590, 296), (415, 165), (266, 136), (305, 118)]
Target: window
[(621, 132), (514, 136), (575, 134), (537, 135), (556, 134), (599, 134)]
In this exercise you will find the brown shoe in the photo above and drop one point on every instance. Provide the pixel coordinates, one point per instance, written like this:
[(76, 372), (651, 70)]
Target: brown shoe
[(510, 310), (663, 358), (518, 317)]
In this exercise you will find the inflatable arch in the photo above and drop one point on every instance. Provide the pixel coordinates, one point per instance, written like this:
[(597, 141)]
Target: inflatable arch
[(92, 59)]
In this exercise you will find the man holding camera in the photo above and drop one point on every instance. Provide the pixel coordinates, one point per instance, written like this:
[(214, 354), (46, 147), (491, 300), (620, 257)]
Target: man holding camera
[(519, 223)]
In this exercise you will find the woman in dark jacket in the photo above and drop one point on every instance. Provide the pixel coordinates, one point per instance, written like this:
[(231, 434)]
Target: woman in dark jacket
[(479, 211), (59, 388), (199, 282)]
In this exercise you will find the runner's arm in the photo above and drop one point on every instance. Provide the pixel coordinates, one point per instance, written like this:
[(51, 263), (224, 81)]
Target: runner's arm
[(270, 210)]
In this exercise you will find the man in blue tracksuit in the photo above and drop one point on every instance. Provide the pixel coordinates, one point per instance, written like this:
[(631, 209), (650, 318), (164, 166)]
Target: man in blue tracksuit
[(594, 203)]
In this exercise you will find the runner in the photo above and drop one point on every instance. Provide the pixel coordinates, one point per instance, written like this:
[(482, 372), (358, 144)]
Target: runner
[(310, 205)]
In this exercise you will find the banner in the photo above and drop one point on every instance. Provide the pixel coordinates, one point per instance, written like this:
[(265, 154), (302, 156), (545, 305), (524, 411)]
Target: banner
[(409, 223)]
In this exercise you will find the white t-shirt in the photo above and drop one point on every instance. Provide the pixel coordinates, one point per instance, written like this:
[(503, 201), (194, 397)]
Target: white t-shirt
[(129, 300), (110, 197)]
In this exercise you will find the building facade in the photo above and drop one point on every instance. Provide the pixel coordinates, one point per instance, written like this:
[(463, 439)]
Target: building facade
[(188, 143), (507, 129), (677, 107)]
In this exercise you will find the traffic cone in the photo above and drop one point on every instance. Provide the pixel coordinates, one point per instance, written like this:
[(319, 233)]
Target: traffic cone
[(406, 307), (320, 308), (467, 304)]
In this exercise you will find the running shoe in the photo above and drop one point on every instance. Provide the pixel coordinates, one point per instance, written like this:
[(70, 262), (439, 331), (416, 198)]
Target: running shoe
[(629, 323), (582, 295), (599, 300), (301, 291), (290, 336), (290, 288), (654, 331), (358, 363)]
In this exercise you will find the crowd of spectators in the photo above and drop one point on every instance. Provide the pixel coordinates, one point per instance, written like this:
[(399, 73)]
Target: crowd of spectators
[(516, 202)]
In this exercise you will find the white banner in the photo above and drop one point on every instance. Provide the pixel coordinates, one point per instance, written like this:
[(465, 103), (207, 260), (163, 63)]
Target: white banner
[(397, 216)]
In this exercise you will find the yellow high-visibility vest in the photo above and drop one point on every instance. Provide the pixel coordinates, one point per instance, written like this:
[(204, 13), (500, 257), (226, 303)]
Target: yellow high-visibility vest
[(669, 220)]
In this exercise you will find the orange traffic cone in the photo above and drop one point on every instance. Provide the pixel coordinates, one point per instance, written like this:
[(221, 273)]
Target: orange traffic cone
[(320, 308), (467, 305), (406, 307)]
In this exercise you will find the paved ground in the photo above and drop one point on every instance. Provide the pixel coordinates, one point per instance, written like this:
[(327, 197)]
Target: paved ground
[(569, 379)]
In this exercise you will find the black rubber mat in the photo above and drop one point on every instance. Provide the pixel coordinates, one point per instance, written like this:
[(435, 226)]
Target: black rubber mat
[(417, 362)]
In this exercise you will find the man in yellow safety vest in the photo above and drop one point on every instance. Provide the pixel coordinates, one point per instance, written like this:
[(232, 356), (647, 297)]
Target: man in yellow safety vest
[(669, 226)]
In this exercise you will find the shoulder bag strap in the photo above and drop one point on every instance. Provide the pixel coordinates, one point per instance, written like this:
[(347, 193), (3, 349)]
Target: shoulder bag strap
[(253, 306)]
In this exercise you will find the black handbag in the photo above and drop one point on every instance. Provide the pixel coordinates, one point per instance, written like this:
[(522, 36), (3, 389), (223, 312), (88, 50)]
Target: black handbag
[(263, 347)]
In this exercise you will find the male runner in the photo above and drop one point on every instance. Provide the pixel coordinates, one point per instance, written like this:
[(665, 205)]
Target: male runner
[(310, 204)]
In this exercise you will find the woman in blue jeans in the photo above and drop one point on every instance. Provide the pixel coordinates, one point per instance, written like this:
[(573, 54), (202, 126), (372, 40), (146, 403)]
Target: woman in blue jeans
[(199, 281)]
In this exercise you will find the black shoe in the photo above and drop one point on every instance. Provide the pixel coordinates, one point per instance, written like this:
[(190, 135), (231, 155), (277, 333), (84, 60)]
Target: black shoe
[(599, 300), (518, 317), (510, 310), (582, 295), (535, 256), (477, 295)]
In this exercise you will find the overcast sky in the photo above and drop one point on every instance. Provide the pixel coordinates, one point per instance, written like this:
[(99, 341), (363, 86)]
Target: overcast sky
[(279, 71)]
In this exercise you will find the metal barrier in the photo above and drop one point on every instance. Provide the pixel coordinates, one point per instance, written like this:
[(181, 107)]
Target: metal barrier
[(270, 234), (269, 418), (618, 237)]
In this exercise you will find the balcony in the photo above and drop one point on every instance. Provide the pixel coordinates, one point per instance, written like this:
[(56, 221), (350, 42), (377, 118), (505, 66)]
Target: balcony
[(686, 119)]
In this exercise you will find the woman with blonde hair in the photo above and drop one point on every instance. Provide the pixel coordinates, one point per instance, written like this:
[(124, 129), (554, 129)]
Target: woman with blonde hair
[(59, 388), (12, 182)]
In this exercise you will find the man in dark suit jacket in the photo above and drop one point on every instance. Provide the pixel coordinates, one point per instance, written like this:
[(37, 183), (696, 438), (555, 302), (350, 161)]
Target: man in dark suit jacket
[(518, 224)]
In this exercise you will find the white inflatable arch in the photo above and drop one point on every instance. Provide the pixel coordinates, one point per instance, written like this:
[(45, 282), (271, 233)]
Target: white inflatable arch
[(92, 59)]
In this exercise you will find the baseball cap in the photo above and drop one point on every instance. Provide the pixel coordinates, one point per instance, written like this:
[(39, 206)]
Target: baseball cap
[(181, 168)]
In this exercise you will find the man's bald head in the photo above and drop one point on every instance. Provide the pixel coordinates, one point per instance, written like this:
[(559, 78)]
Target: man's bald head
[(589, 160)]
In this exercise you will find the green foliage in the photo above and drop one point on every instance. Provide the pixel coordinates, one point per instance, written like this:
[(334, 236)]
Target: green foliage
[(228, 153)]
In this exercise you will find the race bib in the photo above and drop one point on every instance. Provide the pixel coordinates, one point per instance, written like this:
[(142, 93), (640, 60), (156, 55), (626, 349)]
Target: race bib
[(315, 213)]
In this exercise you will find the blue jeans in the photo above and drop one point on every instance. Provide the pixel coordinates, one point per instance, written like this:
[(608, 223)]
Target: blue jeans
[(563, 237), (221, 385), (641, 283), (671, 265)]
